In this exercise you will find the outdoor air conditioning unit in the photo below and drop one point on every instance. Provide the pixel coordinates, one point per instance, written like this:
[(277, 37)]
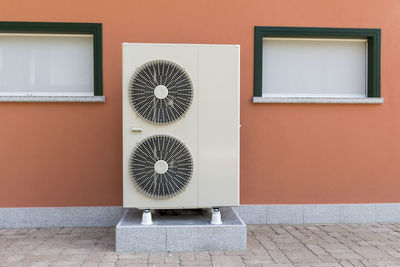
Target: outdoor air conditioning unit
[(180, 126)]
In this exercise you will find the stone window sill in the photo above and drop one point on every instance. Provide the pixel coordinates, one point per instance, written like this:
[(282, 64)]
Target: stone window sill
[(319, 100), (91, 99)]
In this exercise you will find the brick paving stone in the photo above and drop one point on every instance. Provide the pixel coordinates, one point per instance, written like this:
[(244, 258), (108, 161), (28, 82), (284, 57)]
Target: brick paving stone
[(333, 246), (132, 261), (369, 236), (267, 243), (257, 259), (136, 256), (40, 264), (171, 259), (276, 265), (197, 265), (93, 259), (202, 264), (279, 229), (215, 253), (189, 256), (65, 263), (317, 250), (202, 256), (301, 256), (156, 258), (90, 264), (164, 265), (384, 262), (326, 264), (278, 256), (291, 247), (356, 263), (371, 253), (227, 261), (265, 229), (259, 251), (252, 242), (239, 252), (109, 259), (15, 258), (345, 255), (70, 257), (75, 251), (390, 251), (326, 258), (196, 262), (367, 263), (345, 263)]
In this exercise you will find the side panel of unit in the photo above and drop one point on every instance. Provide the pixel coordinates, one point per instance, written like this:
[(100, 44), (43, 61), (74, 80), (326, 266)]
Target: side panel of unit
[(185, 129), (219, 68)]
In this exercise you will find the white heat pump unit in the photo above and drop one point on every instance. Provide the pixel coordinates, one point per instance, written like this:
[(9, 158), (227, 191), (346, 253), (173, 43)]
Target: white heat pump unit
[(180, 126)]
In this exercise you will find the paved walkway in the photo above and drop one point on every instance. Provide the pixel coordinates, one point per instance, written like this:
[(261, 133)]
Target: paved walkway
[(268, 245)]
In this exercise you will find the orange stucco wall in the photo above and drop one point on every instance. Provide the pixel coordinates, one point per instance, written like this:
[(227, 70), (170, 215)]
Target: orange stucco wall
[(69, 154)]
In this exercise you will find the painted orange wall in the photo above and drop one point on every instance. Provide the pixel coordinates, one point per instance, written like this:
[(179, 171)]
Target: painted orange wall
[(69, 154)]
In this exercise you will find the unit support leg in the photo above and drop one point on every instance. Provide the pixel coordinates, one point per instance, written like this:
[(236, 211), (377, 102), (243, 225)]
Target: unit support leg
[(216, 216), (146, 217)]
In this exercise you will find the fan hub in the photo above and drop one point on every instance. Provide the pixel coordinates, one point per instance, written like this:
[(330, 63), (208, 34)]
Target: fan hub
[(161, 91), (161, 166)]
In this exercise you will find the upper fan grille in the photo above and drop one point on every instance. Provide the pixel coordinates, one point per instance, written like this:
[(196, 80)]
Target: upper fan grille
[(161, 166), (160, 91)]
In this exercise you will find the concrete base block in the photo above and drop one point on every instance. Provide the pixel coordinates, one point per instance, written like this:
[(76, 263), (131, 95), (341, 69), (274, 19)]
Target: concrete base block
[(180, 233)]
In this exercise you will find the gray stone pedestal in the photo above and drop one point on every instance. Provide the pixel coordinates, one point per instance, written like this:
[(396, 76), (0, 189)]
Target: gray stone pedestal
[(180, 233)]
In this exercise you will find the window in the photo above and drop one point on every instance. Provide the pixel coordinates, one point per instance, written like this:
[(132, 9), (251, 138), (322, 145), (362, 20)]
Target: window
[(316, 65), (53, 61)]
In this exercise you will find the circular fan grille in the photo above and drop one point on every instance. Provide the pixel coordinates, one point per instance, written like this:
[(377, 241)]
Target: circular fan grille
[(161, 166), (160, 91)]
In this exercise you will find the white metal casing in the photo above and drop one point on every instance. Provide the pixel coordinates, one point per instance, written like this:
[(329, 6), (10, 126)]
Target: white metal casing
[(210, 127)]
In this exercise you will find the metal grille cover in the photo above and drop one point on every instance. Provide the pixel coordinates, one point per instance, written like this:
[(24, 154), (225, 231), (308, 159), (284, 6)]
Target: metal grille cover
[(162, 148), (176, 81)]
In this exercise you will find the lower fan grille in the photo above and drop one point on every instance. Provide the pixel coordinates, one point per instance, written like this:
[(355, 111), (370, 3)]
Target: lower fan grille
[(161, 166)]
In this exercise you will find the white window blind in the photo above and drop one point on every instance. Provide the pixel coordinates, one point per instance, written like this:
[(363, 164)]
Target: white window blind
[(46, 64), (308, 67)]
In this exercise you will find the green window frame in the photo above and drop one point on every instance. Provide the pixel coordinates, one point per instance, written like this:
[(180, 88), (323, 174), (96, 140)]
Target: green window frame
[(373, 37), (94, 29)]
